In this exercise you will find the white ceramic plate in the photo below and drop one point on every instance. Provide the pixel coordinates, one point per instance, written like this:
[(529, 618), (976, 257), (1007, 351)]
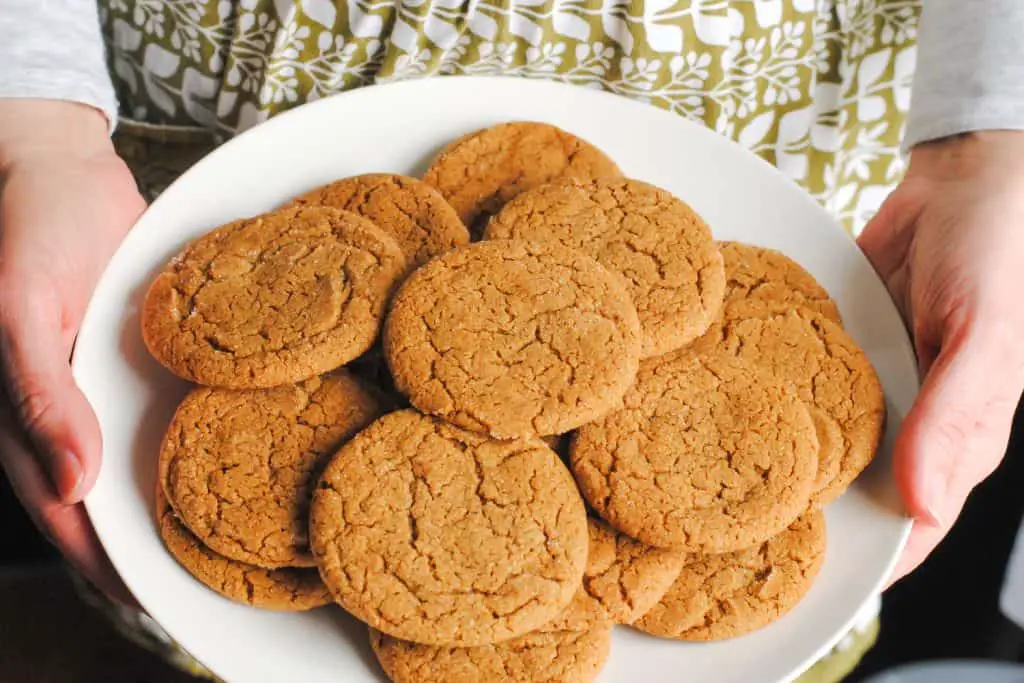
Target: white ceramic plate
[(398, 128)]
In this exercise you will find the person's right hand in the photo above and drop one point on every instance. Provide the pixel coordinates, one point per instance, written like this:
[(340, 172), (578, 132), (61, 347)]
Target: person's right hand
[(66, 201)]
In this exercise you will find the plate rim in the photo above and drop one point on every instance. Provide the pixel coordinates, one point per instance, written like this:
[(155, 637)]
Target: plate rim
[(267, 128)]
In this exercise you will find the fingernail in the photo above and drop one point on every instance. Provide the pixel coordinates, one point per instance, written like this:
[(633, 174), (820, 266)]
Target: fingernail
[(931, 517), (68, 476), (934, 494)]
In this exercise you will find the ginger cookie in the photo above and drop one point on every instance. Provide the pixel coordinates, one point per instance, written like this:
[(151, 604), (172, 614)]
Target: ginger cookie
[(288, 590), (625, 576), (414, 213), (441, 536), (707, 455), (272, 300), (239, 467), (768, 275), (481, 171), (513, 339), (572, 647), (829, 371), (724, 596), (662, 249)]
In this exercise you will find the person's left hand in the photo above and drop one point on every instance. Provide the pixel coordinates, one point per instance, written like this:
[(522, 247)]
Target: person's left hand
[(949, 243)]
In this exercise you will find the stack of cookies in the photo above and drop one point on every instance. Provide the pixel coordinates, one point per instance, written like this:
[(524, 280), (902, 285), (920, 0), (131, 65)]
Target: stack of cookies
[(493, 452)]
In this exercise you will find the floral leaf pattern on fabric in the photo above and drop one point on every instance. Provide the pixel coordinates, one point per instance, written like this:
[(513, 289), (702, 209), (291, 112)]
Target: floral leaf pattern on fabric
[(818, 87)]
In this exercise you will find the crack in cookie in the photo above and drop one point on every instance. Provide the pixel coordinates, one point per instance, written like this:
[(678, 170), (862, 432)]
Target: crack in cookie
[(272, 300), (513, 339), (479, 172), (707, 455), (442, 536), (239, 467), (411, 211), (724, 596), (660, 247), (287, 590)]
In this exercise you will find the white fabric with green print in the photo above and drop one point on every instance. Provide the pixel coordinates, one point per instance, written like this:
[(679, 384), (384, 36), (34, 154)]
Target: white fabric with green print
[(820, 88)]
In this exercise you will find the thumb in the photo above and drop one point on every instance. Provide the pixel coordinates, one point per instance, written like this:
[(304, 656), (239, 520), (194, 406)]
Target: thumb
[(957, 431), (47, 402)]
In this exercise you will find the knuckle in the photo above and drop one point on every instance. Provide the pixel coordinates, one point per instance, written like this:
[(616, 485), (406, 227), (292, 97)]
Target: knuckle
[(971, 448), (33, 405)]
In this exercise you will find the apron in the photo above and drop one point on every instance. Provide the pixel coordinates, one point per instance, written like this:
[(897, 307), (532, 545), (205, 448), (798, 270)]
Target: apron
[(819, 88)]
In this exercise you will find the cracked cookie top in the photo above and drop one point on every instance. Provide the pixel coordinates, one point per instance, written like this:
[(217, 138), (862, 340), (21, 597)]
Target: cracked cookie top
[(724, 596), (625, 576), (481, 171), (287, 590), (764, 274), (441, 536), (707, 455), (239, 467), (271, 300), (569, 649), (662, 249), (829, 371), (513, 339), (411, 211)]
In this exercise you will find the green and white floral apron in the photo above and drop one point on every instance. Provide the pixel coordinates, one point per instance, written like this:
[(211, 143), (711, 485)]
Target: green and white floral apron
[(820, 88)]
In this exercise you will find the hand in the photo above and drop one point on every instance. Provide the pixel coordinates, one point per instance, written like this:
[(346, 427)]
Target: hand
[(949, 243), (66, 201)]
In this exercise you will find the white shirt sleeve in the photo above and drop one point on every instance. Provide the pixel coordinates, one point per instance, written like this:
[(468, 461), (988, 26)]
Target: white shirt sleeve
[(970, 69), (53, 49)]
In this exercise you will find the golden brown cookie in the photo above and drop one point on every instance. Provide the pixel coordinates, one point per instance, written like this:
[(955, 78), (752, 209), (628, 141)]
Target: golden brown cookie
[(724, 596), (287, 590), (239, 466), (411, 211), (708, 455), (481, 171), (513, 339), (272, 300), (659, 245), (764, 274), (625, 576), (571, 647), (829, 371), (441, 536)]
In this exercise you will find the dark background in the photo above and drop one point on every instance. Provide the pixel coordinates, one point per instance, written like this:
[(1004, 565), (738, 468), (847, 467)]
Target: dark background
[(948, 608)]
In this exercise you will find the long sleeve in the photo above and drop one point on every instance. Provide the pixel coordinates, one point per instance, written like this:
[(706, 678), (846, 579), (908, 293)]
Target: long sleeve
[(53, 49), (970, 69)]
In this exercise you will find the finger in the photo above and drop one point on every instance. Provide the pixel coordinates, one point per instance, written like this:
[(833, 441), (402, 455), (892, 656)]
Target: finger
[(47, 403), (957, 431), (66, 526), (886, 240), (922, 541)]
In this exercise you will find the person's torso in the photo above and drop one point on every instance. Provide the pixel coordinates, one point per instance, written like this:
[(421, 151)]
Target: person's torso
[(818, 87)]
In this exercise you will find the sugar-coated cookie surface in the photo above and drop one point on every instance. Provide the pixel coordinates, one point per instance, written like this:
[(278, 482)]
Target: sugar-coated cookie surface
[(479, 172), (660, 247), (829, 371), (437, 535), (763, 274), (513, 339), (707, 455), (286, 590), (625, 576), (571, 648), (414, 213), (239, 467), (274, 299), (724, 596)]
